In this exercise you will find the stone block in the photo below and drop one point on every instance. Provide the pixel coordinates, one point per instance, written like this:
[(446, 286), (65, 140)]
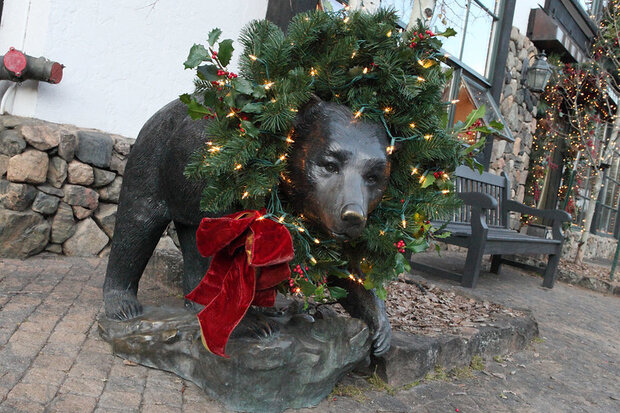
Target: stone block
[(16, 197), (57, 172), (45, 204), (81, 196), (118, 164), (105, 217), (112, 192), (81, 213), (516, 146), (42, 136), (67, 146), (11, 142), (165, 267), (79, 173), (87, 241), (102, 177), (123, 145), (4, 164), (30, 166), (63, 224), (50, 190), (22, 234), (94, 148), (514, 34), (54, 248)]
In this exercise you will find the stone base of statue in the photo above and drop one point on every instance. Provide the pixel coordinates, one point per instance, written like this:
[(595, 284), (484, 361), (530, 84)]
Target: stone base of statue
[(294, 367)]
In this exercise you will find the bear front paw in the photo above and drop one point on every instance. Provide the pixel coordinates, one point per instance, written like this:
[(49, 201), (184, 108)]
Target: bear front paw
[(121, 305), (381, 337)]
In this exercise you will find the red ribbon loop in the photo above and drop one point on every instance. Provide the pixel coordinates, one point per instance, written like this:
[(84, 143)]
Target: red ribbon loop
[(240, 243)]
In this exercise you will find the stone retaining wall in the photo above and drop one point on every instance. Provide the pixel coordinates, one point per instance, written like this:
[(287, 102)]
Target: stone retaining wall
[(59, 187)]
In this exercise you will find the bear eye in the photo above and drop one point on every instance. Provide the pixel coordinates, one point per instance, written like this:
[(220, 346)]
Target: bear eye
[(372, 179), (331, 167)]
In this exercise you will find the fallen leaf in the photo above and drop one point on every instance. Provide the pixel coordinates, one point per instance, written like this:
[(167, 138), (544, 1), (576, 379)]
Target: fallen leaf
[(129, 363)]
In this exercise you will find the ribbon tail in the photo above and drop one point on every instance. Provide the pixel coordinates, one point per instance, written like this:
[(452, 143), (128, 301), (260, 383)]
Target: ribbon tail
[(220, 317)]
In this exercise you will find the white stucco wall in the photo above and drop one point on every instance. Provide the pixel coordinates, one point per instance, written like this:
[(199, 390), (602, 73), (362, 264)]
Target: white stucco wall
[(124, 58)]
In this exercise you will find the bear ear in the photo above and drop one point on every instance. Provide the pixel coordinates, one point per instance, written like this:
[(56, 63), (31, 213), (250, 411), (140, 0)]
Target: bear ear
[(312, 103), (309, 110)]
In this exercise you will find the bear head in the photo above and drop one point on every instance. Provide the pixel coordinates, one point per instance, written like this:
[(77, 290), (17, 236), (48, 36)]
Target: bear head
[(338, 168)]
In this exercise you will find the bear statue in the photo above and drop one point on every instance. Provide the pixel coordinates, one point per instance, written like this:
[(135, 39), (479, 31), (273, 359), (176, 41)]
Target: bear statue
[(338, 169)]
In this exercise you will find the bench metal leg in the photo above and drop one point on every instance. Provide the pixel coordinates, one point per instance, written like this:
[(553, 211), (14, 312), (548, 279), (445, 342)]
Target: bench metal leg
[(472, 265), (551, 270), (496, 263)]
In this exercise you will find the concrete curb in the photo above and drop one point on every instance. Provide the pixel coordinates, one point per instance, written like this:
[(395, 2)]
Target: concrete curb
[(413, 356)]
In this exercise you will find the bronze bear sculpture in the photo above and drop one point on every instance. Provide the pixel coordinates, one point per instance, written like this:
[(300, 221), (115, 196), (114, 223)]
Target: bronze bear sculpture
[(338, 170)]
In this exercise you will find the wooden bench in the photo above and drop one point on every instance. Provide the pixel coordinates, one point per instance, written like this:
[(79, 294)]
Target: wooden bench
[(481, 225)]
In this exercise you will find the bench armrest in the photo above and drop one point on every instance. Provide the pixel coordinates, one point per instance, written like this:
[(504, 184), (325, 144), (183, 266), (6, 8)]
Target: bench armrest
[(478, 199), (557, 216), (553, 214)]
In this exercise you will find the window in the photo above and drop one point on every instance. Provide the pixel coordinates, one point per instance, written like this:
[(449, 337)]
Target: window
[(475, 22)]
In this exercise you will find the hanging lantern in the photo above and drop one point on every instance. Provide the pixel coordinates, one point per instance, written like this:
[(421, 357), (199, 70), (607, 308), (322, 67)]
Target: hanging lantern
[(538, 74)]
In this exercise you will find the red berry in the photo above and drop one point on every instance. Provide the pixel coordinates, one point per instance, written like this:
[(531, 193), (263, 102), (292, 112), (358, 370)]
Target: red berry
[(402, 201), (421, 36), (214, 53), (414, 44)]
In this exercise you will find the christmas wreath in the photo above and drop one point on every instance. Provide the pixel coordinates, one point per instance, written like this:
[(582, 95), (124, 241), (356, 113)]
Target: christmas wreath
[(366, 62)]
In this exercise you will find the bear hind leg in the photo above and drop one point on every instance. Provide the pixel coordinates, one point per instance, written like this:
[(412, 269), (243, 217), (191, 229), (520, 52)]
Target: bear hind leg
[(132, 247)]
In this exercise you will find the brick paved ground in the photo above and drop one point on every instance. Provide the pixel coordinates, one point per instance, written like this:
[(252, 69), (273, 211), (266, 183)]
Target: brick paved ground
[(52, 359)]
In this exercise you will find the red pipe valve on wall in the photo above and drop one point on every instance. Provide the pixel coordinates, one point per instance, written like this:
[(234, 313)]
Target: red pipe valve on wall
[(17, 67)]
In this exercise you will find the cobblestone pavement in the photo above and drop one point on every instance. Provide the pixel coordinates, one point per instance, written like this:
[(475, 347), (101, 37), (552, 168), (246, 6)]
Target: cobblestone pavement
[(52, 359)]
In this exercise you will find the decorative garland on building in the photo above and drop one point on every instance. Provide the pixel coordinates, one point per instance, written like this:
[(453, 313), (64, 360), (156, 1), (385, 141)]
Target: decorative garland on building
[(366, 62)]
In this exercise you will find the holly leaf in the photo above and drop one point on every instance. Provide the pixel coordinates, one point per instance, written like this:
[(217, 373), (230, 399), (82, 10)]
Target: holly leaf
[(243, 86), (252, 108), (307, 288), (337, 293), (197, 55), (449, 32), (428, 181), (208, 72), (474, 115), (496, 125), (214, 35), (225, 51), (259, 92), (249, 128), (381, 292), (402, 265), (210, 98), (185, 98), (196, 110), (417, 248)]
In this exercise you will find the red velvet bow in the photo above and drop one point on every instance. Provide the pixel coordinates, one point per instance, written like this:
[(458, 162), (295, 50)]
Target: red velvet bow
[(240, 243)]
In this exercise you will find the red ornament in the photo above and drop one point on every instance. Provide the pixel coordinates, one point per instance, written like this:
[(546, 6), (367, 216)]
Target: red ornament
[(239, 243)]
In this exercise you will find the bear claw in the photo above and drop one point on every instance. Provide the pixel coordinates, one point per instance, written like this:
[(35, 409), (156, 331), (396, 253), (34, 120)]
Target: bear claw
[(121, 305)]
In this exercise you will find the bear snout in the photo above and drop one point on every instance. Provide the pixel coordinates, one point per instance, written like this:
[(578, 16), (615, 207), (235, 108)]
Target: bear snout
[(353, 219)]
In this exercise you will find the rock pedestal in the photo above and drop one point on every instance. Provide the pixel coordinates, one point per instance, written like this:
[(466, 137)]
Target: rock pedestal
[(296, 367)]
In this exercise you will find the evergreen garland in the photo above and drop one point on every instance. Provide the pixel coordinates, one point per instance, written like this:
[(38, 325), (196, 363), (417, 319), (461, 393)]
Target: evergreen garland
[(361, 60)]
